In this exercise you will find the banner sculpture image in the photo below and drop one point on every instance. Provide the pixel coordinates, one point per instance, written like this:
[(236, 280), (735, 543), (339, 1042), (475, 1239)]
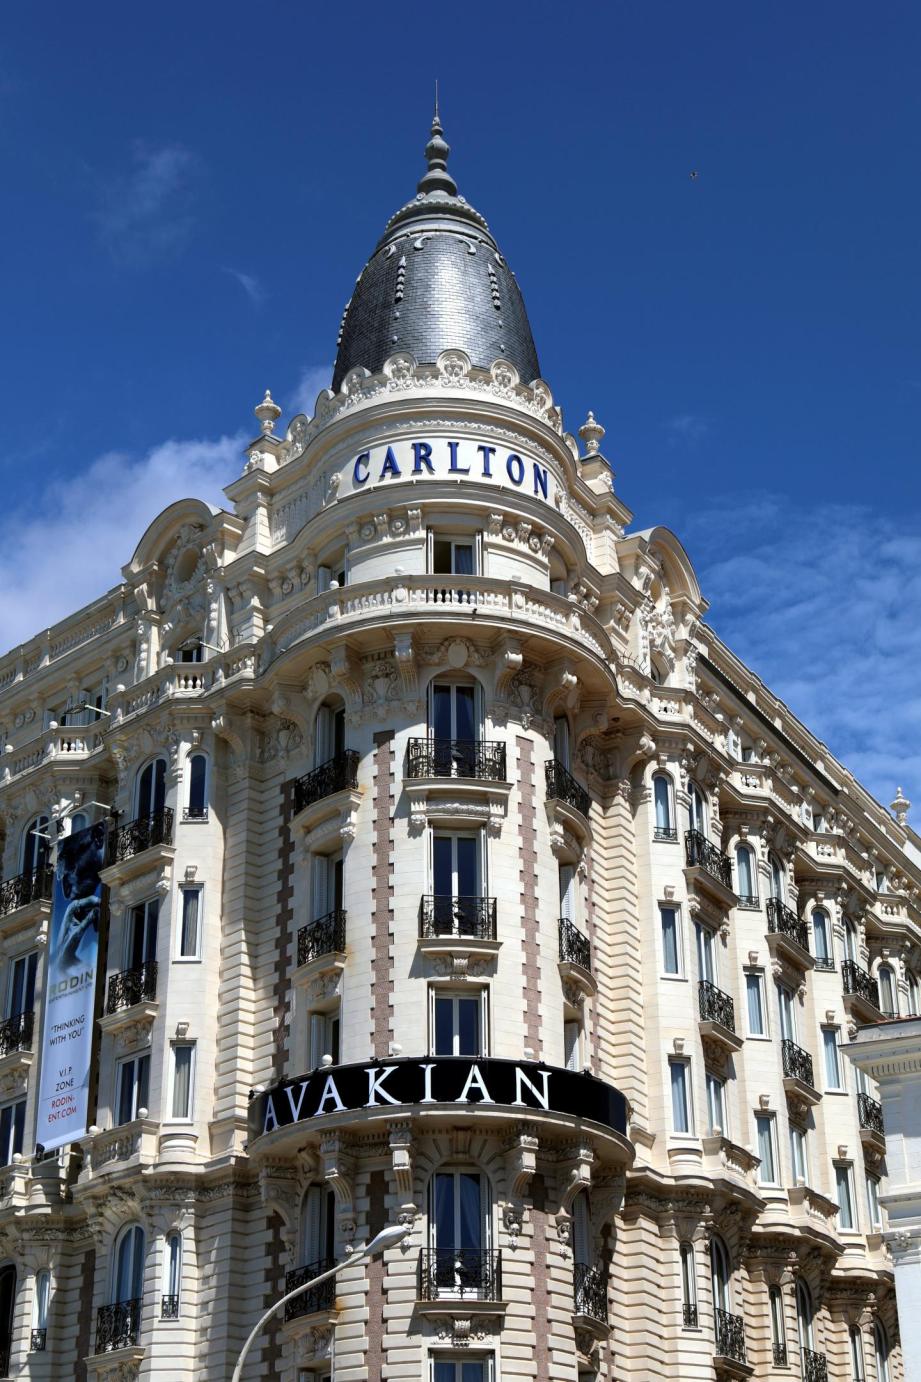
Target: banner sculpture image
[(71, 987)]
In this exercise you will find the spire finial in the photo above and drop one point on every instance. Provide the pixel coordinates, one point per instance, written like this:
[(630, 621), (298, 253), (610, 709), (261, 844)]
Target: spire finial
[(437, 179)]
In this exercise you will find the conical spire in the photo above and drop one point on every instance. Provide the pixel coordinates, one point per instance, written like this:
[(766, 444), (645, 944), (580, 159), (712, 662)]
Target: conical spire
[(437, 179)]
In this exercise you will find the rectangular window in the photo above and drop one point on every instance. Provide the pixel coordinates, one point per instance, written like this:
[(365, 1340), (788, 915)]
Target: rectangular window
[(798, 1160), (452, 1368), (767, 1151), (141, 934), (327, 884), (182, 1078), (681, 1095), (190, 925), (323, 1037), (12, 1130), (706, 953), (671, 940), (567, 892), (785, 1003), (132, 1086), (832, 1063), (873, 1207), (754, 992), (21, 992), (845, 1194), (458, 1022), (572, 1043), (716, 1104), (452, 556)]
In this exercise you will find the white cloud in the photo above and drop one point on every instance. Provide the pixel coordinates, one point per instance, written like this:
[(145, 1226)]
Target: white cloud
[(250, 285), (68, 548), (146, 214), (687, 429), (313, 379), (823, 603)]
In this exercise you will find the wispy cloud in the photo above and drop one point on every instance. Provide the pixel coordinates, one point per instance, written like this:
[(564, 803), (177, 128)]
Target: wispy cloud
[(147, 213), (68, 547), (313, 379), (822, 602), (687, 429), (250, 285)]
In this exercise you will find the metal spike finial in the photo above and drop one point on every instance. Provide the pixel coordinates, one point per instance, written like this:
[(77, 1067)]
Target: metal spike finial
[(437, 179)]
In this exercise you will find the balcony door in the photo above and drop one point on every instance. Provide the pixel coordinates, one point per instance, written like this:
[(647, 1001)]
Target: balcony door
[(35, 845), (787, 1005), (804, 1319), (720, 1275), (562, 751), (151, 790), (460, 1231), (454, 712), (778, 878), (7, 1307), (697, 809), (318, 1225), (456, 871), (327, 884), (706, 953), (21, 996), (129, 1266), (330, 734), (141, 934)]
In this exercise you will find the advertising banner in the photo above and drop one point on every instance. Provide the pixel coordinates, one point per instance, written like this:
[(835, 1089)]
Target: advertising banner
[(70, 987)]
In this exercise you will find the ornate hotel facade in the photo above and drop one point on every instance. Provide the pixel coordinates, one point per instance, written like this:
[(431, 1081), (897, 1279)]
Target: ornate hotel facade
[(456, 875)]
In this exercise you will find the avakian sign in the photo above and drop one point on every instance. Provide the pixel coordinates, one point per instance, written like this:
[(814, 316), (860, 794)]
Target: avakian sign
[(448, 458), (515, 1085), (70, 988)]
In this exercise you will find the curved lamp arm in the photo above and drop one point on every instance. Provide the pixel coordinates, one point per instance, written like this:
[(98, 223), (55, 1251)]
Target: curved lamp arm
[(387, 1238)]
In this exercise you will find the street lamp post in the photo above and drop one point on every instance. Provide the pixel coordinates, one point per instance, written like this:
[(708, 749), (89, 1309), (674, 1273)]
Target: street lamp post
[(387, 1238)]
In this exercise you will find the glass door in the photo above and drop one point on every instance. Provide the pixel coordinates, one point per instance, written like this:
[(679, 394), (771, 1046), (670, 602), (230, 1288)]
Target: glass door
[(706, 953), (152, 789), (459, 1233), (787, 1013), (455, 726), (561, 745), (456, 880), (129, 1266), (141, 939), (22, 985)]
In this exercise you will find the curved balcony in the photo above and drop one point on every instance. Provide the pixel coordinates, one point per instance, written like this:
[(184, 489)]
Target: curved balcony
[(562, 786), (717, 1017), (146, 832), (460, 1274), (730, 1344), (708, 870), (788, 937), (444, 915), (798, 1076), (16, 1033), (35, 886), (575, 963), (118, 1326), (479, 759), (872, 1128), (590, 1291), (861, 992), (337, 774), (132, 986), (815, 1366), (326, 936), (318, 1299)]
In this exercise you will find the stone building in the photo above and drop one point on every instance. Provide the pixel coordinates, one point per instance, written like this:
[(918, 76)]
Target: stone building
[(456, 875)]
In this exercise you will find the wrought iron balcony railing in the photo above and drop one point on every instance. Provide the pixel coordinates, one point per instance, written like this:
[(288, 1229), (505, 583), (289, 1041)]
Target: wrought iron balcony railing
[(858, 982), (562, 786), (780, 1355), (700, 852), (16, 1033), (460, 1273), (118, 1326), (815, 1366), (870, 1114), (35, 886), (322, 1297), (730, 1335), (575, 948), (750, 901), (825, 962), (715, 1005), (590, 1290), (783, 921), (132, 986), (136, 836), (441, 914), (169, 1307), (689, 1316), (195, 813), (335, 775), (38, 1341), (323, 937), (665, 832), (477, 758), (797, 1063)]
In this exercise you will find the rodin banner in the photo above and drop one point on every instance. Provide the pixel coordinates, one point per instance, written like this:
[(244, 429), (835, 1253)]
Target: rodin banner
[(521, 1086), (70, 987)]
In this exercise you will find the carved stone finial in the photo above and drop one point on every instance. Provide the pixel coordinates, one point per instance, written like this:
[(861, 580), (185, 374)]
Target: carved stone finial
[(437, 179), (268, 413), (591, 433), (900, 806)]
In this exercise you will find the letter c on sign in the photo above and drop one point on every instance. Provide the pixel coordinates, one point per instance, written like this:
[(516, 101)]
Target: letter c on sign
[(361, 462), (515, 467)]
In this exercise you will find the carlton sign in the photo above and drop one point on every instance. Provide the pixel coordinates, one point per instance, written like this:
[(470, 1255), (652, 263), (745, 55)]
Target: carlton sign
[(517, 1086), (448, 458)]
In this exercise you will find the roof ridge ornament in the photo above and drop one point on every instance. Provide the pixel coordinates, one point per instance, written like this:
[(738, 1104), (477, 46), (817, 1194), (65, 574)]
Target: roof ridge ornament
[(437, 179)]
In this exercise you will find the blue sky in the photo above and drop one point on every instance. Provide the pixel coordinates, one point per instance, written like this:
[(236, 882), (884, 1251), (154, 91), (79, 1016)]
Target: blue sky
[(191, 191)]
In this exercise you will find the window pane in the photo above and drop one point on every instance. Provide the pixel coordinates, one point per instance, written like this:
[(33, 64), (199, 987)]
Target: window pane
[(143, 1093), (466, 719), (670, 940), (182, 1081), (468, 1026), (467, 870), (471, 1219), (441, 711), (189, 938), (755, 1008), (845, 1206), (663, 813), (443, 865), (744, 867), (767, 1171), (679, 1096), (832, 1073), (463, 559), (125, 1091), (444, 1026), (820, 935)]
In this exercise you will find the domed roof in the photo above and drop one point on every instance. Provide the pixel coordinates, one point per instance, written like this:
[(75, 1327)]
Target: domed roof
[(436, 281)]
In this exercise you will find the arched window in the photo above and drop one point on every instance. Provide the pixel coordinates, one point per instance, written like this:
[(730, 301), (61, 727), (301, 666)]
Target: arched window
[(7, 1307), (851, 942), (318, 1227), (36, 845), (745, 869), (888, 999), (459, 1222), (658, 670), (128, 1272), (151, 789), (778, 878), (329, 732), (804, 1314), (197, 809), (41, 1300), (688, 1286), (697, 808), (172, 1276), (821, 938), (881, 1345), (858, 1371), (721, 1276), (778, 1327), (912, 982), (561, 741), (662, 794)]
